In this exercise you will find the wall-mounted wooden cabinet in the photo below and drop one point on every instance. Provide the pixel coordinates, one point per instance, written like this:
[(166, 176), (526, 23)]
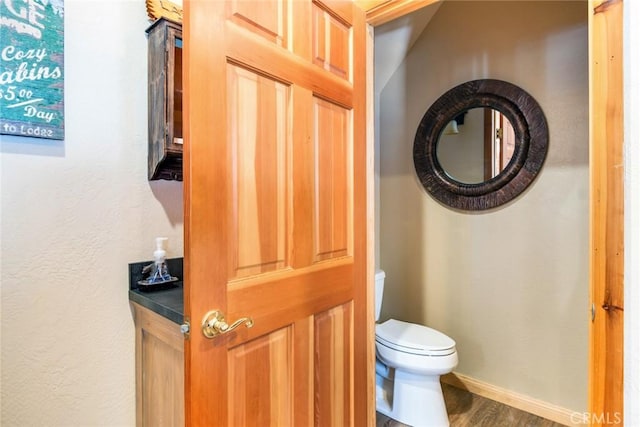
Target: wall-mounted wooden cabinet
[(165, 100)]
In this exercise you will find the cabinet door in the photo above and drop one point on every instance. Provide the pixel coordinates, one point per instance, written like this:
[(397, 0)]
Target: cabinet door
[(159, 370), (165, 100)]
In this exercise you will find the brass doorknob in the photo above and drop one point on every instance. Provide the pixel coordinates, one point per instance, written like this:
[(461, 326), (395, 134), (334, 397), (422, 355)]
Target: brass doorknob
[(213, 324)]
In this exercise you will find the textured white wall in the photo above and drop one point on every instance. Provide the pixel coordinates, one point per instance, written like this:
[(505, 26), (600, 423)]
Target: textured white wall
[(509, 285), (74, 214)]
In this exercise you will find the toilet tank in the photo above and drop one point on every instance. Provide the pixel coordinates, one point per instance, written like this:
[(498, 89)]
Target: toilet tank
[(379, 291)]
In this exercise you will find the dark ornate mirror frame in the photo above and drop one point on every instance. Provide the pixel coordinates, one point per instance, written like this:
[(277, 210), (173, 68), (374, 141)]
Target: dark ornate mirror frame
[(532, 141)]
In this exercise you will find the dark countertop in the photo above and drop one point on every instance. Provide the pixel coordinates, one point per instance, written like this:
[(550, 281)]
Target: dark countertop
[(169, 302)]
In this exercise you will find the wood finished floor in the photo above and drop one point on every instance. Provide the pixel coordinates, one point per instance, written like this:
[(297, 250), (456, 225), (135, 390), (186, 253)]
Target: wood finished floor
[(470, 410)]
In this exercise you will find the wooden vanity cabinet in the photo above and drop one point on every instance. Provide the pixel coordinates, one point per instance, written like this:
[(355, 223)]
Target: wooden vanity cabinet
[(165, 100), (159, 370)]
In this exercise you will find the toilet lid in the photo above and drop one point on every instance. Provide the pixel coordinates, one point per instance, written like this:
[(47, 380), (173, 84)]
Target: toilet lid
[(415, 339)]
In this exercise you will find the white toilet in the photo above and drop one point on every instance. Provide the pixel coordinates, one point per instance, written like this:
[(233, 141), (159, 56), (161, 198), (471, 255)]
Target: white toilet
[(409, 361)]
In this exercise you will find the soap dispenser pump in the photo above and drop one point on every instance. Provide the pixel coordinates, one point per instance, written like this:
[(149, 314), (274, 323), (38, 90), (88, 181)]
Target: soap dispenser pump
[(160, 270)]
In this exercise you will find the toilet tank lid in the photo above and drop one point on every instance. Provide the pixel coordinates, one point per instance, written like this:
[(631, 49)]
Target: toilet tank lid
[(413, 337)]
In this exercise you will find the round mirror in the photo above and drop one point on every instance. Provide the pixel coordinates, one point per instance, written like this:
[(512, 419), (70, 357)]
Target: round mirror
[(476, 146), (480, 144)]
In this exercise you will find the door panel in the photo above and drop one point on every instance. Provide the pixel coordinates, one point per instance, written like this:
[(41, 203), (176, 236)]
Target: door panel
[(275, 149), (258, 113), (331, 42), (267, 18), (334, 359), (266, 399), (333, 189)]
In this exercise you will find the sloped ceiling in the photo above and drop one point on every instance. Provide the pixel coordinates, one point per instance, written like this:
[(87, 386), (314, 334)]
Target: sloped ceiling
[(393, 40)]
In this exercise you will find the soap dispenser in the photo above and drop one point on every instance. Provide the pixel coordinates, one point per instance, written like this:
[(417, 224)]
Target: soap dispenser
[(159, 276), (160, 272)]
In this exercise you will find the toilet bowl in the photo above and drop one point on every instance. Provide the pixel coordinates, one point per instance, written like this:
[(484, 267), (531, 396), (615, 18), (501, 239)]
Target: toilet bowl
[(409, 361)]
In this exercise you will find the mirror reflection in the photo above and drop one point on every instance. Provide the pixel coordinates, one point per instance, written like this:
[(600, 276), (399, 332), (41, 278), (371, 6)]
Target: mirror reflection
[(476, 145)]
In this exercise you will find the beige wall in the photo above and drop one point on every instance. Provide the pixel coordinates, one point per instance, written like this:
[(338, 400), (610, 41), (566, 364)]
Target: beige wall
[(73, 215), (510, 285)]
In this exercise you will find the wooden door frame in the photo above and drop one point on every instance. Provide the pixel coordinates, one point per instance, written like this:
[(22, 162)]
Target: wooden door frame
[(606, 137), (606, 230)]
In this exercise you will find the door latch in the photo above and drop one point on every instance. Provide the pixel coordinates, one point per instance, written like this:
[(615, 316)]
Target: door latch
[(185, 328)]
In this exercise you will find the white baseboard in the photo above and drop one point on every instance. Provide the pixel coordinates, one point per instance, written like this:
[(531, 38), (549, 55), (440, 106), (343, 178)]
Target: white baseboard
[(513, 399)]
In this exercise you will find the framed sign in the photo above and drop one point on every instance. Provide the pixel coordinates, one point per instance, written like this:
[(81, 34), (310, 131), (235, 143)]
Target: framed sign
[(32, 68)]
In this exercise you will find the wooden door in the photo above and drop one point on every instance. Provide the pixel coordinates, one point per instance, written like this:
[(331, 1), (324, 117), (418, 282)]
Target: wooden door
[(607, 213), (276, 213)]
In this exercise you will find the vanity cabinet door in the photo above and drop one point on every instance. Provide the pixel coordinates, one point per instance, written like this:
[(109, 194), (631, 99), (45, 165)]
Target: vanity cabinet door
[(159, 370)]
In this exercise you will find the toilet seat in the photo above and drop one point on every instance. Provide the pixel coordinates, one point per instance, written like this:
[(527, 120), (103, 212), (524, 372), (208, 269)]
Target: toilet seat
[(414, 339)]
